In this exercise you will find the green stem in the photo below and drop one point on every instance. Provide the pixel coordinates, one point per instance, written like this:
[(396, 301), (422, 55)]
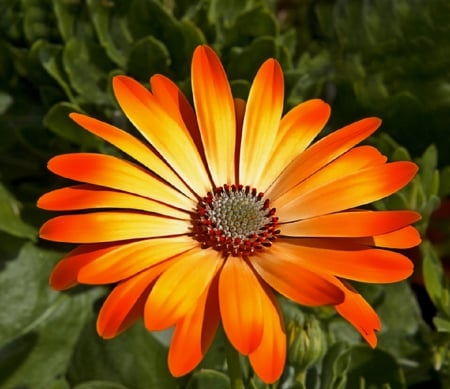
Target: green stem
[(234, 366), (300, 379)]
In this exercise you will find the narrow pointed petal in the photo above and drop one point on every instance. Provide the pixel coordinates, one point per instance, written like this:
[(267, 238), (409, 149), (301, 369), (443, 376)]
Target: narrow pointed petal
[(132, 147), (115, 173), (178, 290), (125, 304), (169, 137), (404, 238), (297, 130), (321, 153), (356, 310), (194, 334), (79, 197), (172, 100), (261, 121), (240, 295), (351, 191), (97, 227), (129, 259), (350, 224), (215, 113), (346, 259), (293, 279), (65, 273), (269, 358)]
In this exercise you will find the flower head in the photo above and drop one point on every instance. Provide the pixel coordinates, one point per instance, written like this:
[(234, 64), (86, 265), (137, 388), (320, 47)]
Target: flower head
[(223, 204)]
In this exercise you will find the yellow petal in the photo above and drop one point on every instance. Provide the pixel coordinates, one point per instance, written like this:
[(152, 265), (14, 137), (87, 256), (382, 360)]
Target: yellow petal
[(79, 197), (131, 258), (215, 112), (261, 122), (171, 139), (131, 146), (115, 173), (97, 227), (297, 130), (177, 291), (320, 154), (240, 299)]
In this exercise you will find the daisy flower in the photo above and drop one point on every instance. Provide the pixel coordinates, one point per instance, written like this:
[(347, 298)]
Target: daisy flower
[(223, 205)]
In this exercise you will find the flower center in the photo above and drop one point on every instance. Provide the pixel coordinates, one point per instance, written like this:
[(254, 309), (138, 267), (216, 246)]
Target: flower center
[(235, 220)]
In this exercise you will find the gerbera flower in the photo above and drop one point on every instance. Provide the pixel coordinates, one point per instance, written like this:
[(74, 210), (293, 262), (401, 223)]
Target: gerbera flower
[(223, 205)]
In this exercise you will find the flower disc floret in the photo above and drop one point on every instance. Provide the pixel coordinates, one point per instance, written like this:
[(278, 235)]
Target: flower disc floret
[(236, 220)]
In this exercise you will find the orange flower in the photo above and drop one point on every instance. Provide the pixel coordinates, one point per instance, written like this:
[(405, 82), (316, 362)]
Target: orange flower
[(190, 240)]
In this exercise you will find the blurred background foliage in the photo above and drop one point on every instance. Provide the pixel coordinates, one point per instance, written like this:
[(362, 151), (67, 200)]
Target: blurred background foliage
[(388, 58)]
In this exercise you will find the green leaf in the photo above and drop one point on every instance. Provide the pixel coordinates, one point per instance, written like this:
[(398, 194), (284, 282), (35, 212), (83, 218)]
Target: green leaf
[(148, 56), (58, 121), (73, 19), (100, 385), (10, 220), (442, 325), (111, 27), (87, 67), (50, 57), (38, 327), (206, 379), (435, 281), (5, 102), (134, 359), (334, 367)]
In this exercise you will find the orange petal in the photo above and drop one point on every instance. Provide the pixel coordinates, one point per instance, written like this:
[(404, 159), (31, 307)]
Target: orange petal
[(356, 310), (261, 121), (345, 259), (353, 190), (65, 273), (131, 146), (294, 279), (350, 224), (194, 334), (115, 173), (171, 139), (129, 259), (97, 227), (240, 299), (404, 238), (172, 100), (215, 112), (239, 107), (321, 153), (269, 358), (297, 130), (178, 290), (125, 304), (88, 196)]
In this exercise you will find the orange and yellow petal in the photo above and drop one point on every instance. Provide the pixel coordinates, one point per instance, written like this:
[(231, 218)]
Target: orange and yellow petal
[(170, 137), (346, 259), (115, 173), (85, 196), (178, 290), (125, 304), (350, 224), (403, 238), (358, 312), (322, 153), (350, 191), (297, 130), (97, 227), (194, 333), (65, 273), (294, 280), (131, 258), (215, 114), (269, 358), (261, 122), (240, 300), (132, 147)]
